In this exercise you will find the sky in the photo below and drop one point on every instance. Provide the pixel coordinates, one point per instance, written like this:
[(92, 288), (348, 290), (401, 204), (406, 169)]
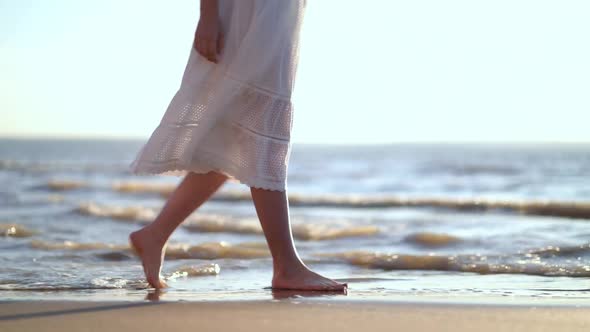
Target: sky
[(373, 71)]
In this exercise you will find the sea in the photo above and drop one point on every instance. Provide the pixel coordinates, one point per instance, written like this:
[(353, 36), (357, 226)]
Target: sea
[(499, 223)]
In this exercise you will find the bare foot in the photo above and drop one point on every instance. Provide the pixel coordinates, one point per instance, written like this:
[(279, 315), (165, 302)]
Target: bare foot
[(304, 279), (151, 255)]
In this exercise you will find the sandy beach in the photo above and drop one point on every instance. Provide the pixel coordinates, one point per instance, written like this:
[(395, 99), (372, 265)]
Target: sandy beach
[(284, 316)]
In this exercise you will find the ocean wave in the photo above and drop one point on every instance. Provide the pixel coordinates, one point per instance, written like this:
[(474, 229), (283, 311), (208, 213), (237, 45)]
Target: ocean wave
[(562, 251), (307, 232), (115, 256), (214, 223), (75, 246), (210, 250), (129, 213), (222, 224), (111, 283), (203, 222), (569, 209), (94, 284), (541, 262), (144, 188), (217, 250), (313, 232), (107, 282), (64, 185), (428, 239), (35, 287), (481, 264), (16, 230), (195, 271), (540, 208), (55, 198)]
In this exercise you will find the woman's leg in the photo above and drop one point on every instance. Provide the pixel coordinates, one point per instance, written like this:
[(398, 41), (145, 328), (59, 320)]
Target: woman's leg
[(289, 272), (150, 241)]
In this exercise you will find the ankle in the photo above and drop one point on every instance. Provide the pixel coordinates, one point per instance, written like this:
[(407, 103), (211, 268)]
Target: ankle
[(286, 268), (153, 235)]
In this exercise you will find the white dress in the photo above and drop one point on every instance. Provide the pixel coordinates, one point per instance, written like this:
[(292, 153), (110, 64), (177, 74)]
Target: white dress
[(234, 117)]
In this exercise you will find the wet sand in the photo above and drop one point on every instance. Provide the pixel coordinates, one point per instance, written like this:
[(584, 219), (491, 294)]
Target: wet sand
[(285, 315)]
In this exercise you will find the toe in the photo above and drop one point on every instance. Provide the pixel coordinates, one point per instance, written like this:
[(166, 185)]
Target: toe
[(338, 286), (163, 284), (158, 283), (330, 285)]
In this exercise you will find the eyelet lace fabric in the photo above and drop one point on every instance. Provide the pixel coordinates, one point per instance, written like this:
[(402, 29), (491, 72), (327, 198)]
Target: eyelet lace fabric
[(234, 117)]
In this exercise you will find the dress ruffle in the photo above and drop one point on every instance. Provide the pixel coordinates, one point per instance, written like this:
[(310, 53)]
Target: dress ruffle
[(227, 126)]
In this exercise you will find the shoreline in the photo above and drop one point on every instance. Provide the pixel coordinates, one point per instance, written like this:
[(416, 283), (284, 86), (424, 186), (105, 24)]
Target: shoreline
[(362, 294), (458, 302), (285, 315)]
